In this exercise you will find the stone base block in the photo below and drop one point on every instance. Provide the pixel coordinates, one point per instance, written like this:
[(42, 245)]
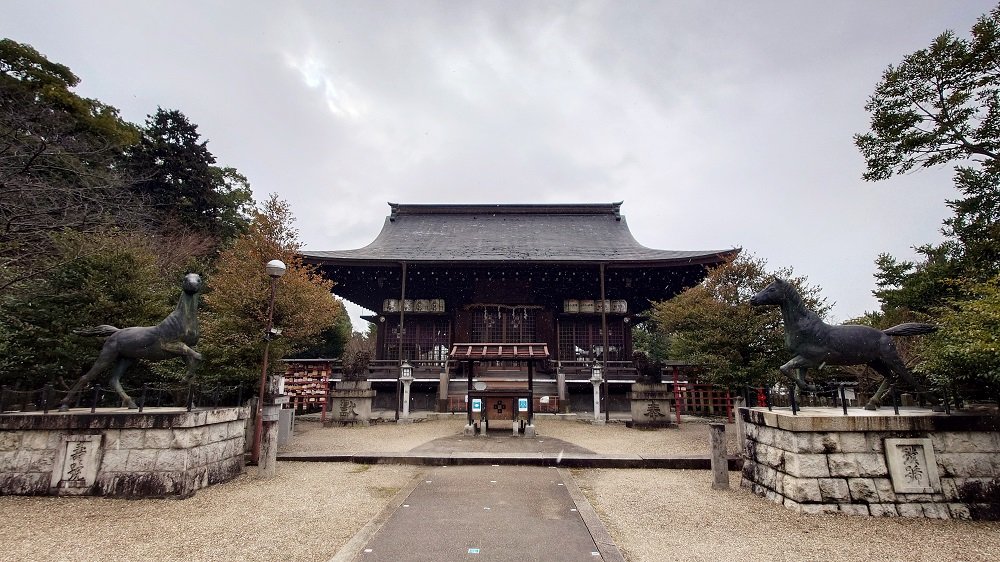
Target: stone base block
[(161, 452), (919, 464)]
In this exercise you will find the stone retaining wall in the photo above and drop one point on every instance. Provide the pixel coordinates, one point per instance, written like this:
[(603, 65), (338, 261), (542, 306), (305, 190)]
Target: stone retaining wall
[(920, 464), (162, 452)]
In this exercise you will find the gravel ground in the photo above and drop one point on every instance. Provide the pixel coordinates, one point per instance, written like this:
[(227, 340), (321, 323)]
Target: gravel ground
[(309, 510), (676, 515), (692, 438), (387, 437)]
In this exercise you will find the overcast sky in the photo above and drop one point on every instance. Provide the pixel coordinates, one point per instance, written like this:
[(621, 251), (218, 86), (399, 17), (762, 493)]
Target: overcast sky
[(718, 123)]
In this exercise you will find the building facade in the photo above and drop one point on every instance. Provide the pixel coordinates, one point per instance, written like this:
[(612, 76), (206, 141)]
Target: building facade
[(571, 277)]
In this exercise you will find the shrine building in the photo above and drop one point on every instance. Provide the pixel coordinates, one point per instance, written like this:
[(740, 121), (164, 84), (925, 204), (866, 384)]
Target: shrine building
[(507, 296)]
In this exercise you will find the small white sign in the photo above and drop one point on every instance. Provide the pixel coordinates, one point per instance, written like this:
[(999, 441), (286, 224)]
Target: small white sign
[(477, 404), (522, 404), (544, 400)]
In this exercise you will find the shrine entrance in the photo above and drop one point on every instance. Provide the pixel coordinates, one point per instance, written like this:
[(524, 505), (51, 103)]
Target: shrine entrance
[(491, 401)]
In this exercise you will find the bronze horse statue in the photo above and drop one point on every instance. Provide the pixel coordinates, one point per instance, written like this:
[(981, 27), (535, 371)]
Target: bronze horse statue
[(173, 337), (816, 343)]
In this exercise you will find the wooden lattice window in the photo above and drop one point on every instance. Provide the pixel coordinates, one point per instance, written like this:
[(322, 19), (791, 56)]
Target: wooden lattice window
[(504, 324), (580, 340), (426, 339)]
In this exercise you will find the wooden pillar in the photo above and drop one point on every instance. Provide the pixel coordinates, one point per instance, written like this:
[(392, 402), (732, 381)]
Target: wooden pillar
[(399, 370), (468, 395), (604, 349), (531, 392)]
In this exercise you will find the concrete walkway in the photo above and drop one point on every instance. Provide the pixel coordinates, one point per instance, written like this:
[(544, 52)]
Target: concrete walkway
[(492, 497), (485, 513)]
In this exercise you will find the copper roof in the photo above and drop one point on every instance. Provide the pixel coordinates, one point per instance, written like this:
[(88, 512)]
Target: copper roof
[(498, 351), (581, 233)]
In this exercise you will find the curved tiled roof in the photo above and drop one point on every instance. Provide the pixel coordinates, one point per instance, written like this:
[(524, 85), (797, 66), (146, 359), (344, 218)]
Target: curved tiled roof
[(582, 233)]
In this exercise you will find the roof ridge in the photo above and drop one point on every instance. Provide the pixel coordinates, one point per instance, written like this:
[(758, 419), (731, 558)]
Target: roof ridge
[(611, 209)]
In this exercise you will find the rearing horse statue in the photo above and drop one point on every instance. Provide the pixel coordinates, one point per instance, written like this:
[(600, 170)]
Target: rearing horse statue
[(171, 338), (816, 343)]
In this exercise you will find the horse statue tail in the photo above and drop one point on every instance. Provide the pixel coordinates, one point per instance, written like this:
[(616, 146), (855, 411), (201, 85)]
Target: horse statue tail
[(910, 329), (102, 331)]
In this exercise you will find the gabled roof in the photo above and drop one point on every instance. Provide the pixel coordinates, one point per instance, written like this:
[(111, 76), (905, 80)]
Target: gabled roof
[(577, 233)]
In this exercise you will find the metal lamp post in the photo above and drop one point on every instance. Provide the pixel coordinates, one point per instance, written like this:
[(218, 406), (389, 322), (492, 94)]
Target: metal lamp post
[(275, 269)]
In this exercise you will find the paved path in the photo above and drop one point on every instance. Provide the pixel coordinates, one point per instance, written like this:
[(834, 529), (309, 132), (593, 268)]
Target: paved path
[(486, 513)]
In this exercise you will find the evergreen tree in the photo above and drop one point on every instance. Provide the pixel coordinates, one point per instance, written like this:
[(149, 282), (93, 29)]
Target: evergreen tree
[(940, 105), (176, 175)]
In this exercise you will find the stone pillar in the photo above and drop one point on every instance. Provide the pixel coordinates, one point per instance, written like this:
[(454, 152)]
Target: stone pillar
[(404, 417), (563, 395), (273, 399), (596, 381), (720, 464), (444, 381), (268, 462), (741, 430)]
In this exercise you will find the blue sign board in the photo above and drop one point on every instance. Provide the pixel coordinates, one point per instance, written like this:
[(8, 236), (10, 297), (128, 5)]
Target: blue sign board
[(522, 404), (477, 404)]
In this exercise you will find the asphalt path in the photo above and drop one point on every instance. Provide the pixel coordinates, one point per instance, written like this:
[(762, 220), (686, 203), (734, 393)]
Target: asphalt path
[(474, 513)]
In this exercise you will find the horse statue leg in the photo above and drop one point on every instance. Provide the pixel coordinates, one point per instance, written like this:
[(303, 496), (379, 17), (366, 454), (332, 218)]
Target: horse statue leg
[(191, 358), (893, 361), (795, 371), (116, 374), (104, 361), (888, 378)]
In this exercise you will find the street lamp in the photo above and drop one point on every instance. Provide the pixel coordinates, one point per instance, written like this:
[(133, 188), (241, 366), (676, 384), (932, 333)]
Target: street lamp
[(275, 269), (406, 371)]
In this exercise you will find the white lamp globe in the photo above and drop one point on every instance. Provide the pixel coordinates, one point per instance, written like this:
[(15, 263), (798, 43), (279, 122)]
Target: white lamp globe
[(275, 268)]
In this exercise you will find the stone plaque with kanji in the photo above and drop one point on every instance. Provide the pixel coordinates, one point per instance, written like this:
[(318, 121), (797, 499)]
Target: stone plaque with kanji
[(77, 461), (912, 466)]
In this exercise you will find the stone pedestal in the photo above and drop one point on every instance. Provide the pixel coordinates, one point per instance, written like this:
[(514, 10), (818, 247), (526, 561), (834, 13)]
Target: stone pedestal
[(161, 452), (598, 419), (918, 464), (651, 405), (404, 415), (351, 403)]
